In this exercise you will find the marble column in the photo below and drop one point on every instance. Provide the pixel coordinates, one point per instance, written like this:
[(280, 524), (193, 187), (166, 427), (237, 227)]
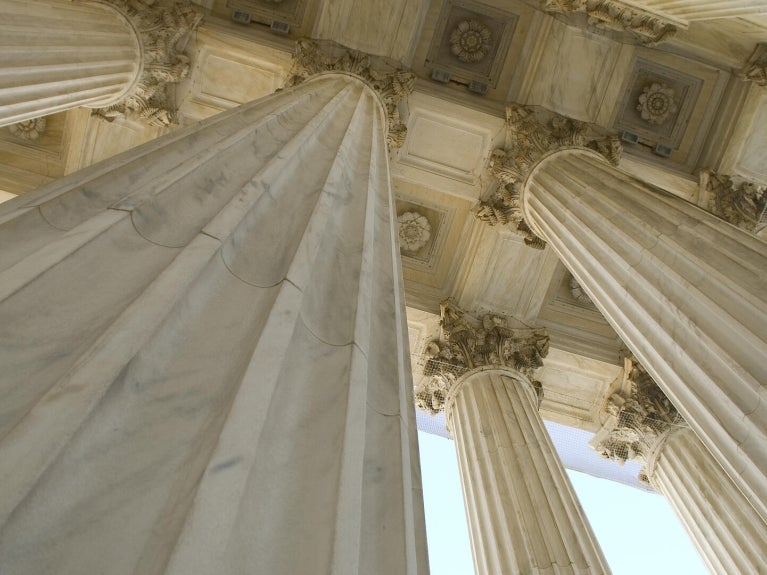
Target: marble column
[(640, 424), (204, 351), (56, 55), (685, 291), (523, 514), (691, 10), (728, 533)]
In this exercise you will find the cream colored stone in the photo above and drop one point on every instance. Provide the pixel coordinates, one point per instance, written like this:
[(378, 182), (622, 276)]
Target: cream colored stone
[(662, 271), (235, 392)]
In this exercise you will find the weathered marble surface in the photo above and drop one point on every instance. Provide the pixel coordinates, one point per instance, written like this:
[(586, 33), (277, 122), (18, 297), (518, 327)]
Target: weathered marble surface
[(204, 354), (522, 511), (683, 289), (728, 533), (60, 55)]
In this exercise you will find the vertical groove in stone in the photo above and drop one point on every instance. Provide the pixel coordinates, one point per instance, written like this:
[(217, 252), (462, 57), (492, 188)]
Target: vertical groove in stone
[(220, 405), (58, 55), (523, 515), (692, 10), (729, 534), (663, 271)]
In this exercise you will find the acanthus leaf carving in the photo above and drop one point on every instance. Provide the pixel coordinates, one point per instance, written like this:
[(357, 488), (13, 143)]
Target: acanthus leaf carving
[(755, 69), (638, 415), (531, 134), (738, 201), (162, 27), (648, 28), (468, 342), (393, 84)]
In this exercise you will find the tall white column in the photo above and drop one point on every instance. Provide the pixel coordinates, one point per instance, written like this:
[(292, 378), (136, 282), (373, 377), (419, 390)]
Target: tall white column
[(691, 10), (727, 531), (204, 351), (640, 424), (523, 514), (685, 290), (60, 54)]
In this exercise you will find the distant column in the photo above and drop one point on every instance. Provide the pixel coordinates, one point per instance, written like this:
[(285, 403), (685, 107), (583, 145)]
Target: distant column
[(641, 425), (522, 512)]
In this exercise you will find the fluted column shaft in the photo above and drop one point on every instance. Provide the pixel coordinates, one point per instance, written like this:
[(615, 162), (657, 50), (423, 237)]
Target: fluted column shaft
[(204, 351), (691, 10), (523, 514), (729, 534), (56, 55), (685, 290)]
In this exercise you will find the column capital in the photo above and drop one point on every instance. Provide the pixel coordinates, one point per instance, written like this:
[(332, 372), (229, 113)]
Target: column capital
[(162, 28), (467, 343), (755, 69), (647, 27), (392, 83), (531, 134), (739, 201), (637, 416)]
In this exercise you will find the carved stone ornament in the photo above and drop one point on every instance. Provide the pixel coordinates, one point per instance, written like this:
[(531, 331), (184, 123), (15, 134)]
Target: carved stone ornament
[(648, 28), (414, 231), (740, 202), (163, 28), (530, 135), (392, 83), (578, 293), (637, 417), (468, 342), (470, 41), (657, 103), (756, 67), (28, 129)]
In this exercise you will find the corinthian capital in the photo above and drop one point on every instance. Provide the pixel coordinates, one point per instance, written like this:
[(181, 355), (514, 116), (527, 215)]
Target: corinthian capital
[(163, 27), (531, 134), (740, 202), (468, 342), (756, 67), (392, 83), (637, 415)]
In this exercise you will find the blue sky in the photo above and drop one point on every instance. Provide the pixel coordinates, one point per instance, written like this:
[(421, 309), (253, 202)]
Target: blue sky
[(638, 531)]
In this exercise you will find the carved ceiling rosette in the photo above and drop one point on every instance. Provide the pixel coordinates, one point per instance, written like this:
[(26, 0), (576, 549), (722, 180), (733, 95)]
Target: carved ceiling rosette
[(468, 342), (28, 129), (393, 84), (650, 29), (414, 231), (470, 41), (637, 416), (530, 135), (163, 27), (657, 103)]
